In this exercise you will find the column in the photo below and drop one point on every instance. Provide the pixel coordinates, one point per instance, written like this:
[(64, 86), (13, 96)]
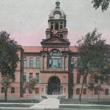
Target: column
[(54, 26), (59, 25), (45, 90), (49, 25)]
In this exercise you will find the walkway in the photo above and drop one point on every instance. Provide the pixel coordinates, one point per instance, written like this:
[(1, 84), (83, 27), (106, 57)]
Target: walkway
[(47, 103)]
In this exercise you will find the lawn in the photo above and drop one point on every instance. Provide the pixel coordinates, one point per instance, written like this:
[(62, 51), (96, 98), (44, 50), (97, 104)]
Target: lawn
[(14, 105), (20, 101), (84, 107), (85, 101)]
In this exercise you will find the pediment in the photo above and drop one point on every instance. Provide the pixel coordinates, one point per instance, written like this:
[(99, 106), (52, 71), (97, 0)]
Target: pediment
[(54, 40)]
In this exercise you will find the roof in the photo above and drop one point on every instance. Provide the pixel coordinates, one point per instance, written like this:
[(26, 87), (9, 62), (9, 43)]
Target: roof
[(73, 49), (37, 49), (32, 48)]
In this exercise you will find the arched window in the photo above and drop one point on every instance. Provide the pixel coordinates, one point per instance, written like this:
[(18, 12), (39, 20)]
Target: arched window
[(106, 92), (38, 63), (78, 91), (84, 91), (25, 62), (31, 63), (2, 90), (55, 59), (37, 91), (12, 90), (95, 91)]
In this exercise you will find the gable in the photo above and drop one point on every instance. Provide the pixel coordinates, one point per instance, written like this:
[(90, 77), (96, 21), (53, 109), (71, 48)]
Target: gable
[(55, 40)]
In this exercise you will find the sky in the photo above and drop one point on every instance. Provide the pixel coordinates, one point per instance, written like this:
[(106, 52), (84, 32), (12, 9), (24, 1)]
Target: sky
[(26, 20)]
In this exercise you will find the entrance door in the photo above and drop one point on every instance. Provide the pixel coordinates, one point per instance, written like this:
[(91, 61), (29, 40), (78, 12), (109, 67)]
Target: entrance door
[(54, 86)]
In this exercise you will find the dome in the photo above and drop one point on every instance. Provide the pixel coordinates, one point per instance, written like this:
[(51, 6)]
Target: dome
[(57, 10)]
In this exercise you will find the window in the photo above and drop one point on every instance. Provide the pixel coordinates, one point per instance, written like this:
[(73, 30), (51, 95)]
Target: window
[(37, 62), (106, 92), (24, 78), (78, 78), (31, 63), (79, 63), (30, 91), (37, 91), (61, 36), (72, 62), (12, 90), (55, 60), (13, 79), (52, 25), (84, 91), (85, 81), (24, 90), (78, 91), (56, 26), (37, 77), (30, 76), (25, 62), (95, 91), (2, 90)]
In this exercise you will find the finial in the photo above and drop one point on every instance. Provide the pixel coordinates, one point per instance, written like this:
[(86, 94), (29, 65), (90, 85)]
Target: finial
[(57, 4)]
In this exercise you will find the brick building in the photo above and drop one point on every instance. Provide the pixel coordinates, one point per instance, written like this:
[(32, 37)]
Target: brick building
[(52, 64)]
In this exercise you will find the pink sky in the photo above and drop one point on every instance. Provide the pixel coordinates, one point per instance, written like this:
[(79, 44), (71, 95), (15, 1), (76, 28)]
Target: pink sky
[(27, 20)]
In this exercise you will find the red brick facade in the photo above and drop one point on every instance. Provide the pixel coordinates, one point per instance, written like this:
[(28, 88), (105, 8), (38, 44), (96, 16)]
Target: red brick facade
[(52, 63)]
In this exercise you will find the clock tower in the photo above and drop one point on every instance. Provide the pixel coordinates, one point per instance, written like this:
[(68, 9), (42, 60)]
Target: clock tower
[(57, 23)]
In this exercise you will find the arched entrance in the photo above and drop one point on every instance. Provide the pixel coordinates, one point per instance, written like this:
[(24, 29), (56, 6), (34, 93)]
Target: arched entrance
[(54, 86)]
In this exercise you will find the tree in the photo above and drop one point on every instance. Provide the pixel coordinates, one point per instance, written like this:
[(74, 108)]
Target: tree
[(8, 59), (91, 86), (93, 54), (101, 3), (6, 83), (30, 85), (96, 87)]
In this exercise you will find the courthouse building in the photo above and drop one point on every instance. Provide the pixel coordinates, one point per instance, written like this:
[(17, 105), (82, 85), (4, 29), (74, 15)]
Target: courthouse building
[(52, 64)]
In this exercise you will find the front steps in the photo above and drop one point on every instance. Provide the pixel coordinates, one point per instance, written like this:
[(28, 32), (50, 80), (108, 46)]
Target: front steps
[(54, 96)]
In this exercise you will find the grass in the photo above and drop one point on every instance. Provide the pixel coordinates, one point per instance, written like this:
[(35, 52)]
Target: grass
[(85, 101), (84, 107), (21, 101), (14, 105)]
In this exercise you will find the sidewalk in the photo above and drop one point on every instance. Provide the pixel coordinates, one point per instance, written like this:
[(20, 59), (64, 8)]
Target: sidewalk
[(83, 105), (47, 103)]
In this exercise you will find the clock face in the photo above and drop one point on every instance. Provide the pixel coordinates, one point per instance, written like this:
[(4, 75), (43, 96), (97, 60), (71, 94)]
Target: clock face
[(57, 16)]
